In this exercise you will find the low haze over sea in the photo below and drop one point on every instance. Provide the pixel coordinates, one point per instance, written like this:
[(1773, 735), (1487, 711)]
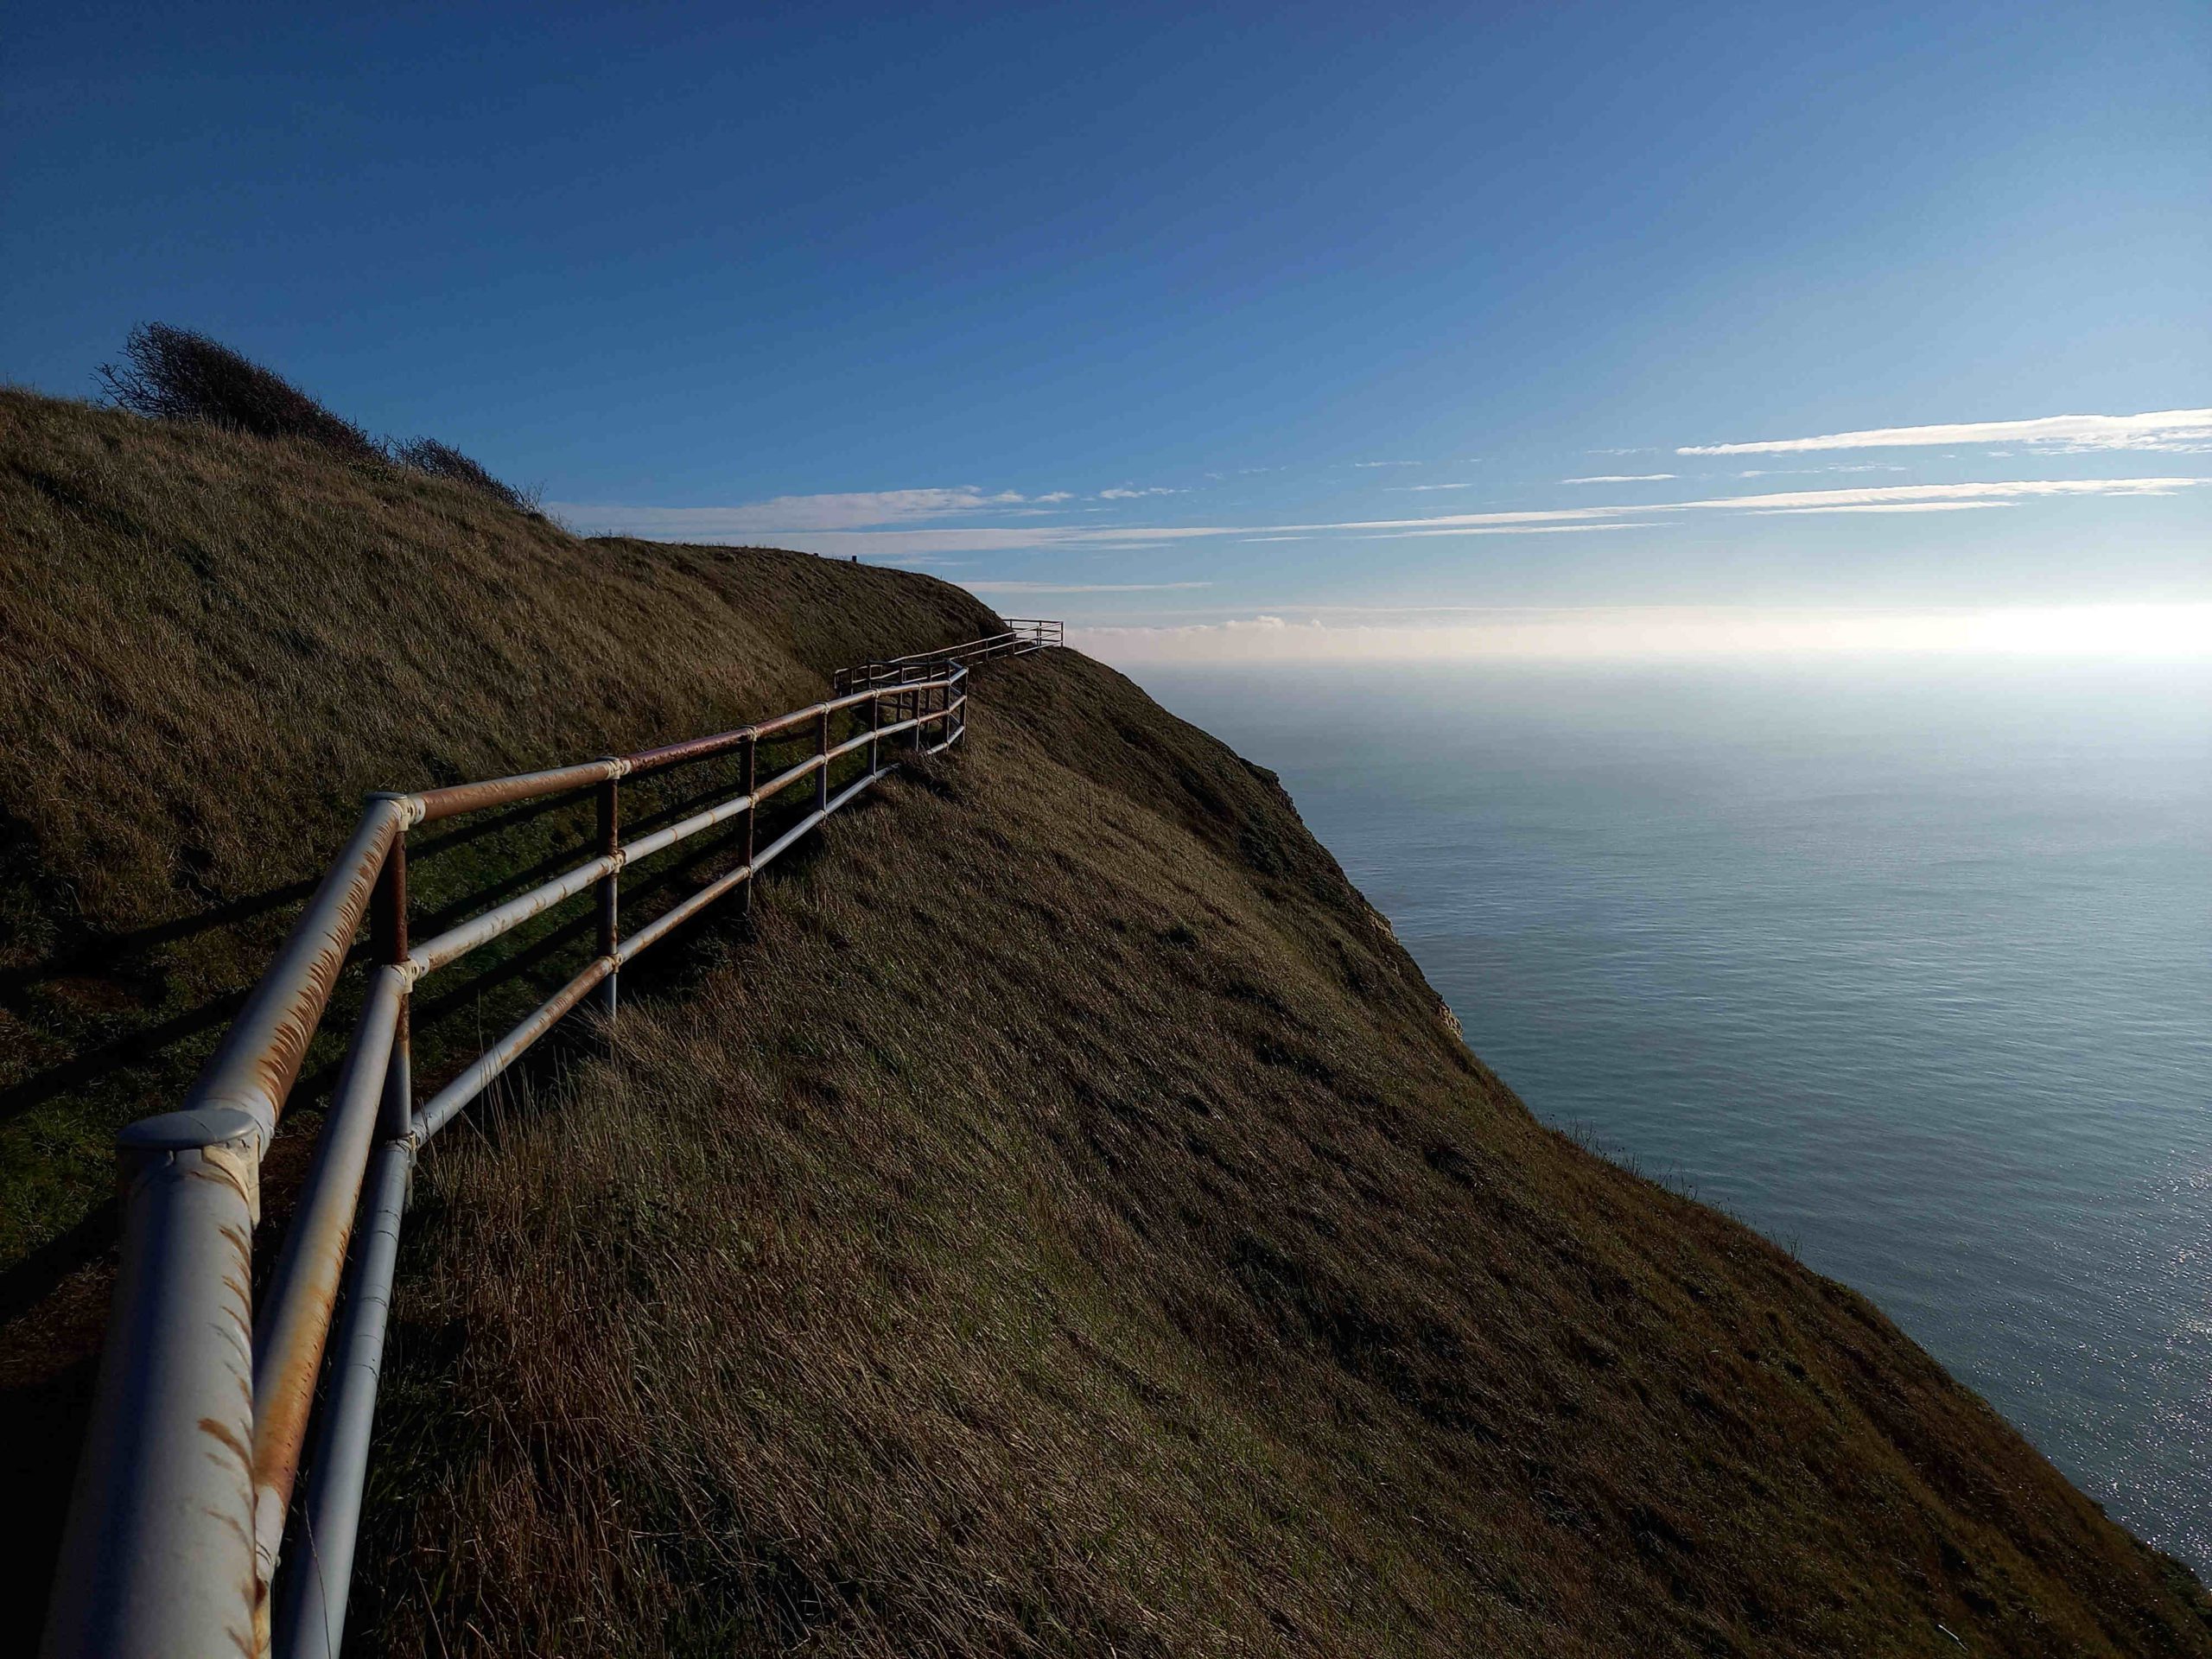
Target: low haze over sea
[(1909, 966)]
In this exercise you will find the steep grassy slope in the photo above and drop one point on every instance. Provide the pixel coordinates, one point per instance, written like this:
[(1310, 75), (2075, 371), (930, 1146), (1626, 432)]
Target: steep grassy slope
[(210, 647), (1062, 1220), (1068, 1223)]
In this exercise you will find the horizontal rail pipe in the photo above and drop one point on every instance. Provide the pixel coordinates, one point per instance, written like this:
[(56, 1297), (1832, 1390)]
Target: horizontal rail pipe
[(457, 799), (783, 843), (783, 781), (464, 936), (439, 1109), (311, 1619), (254, 1069), (698, 824), (288, 1345), (673, 917), (968, 647), (199, 1418), (896, 669)]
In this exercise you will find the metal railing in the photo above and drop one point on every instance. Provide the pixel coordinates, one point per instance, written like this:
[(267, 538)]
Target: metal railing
[(1022, 636), (1040, 631), (185, 1504)]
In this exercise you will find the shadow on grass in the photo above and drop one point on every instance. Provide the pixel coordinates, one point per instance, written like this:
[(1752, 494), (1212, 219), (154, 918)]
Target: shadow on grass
[(54, 1298)]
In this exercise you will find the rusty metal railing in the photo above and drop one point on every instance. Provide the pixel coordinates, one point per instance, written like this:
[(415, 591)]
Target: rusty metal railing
[(1037, 631), (1021, 637), (184, 1508)]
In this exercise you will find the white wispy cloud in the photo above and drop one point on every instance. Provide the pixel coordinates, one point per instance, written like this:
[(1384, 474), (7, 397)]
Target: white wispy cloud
[(2176, 429), (1387, 463), (2001, 493), (1620, 478), (874, 539), (844, 510), (1842, 466), (1887, 506), (1513, 530), (1127, 493), (995, 586), (1799, 500), (990, 538)]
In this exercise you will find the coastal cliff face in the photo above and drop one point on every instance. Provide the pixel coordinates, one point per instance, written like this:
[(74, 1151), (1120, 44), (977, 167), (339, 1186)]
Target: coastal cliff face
[(1060, 1218), (1067, 1221)]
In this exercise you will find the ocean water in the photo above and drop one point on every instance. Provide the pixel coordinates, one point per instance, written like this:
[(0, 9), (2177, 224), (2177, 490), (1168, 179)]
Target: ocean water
[(1909, 966)]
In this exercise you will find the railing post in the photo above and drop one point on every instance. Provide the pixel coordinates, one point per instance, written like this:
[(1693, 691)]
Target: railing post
[(822, 749), (609, 891), (388, 944), (749, 764), (874, 725)]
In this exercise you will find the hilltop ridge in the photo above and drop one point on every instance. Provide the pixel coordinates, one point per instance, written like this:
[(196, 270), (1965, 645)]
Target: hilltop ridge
[(1062, 1218)]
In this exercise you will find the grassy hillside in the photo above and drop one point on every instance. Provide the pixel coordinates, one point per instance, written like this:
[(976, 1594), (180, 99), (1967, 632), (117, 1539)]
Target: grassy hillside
[(1063, 1220), (1068, 1223), (210, 645)]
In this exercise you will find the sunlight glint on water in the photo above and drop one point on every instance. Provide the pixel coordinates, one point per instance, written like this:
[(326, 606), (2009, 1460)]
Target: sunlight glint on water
[(1909, 967)]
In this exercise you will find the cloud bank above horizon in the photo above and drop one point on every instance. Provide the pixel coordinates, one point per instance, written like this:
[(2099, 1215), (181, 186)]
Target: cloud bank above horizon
[(840, 524), (1666, 634), (1223, 564), (2175, 430)]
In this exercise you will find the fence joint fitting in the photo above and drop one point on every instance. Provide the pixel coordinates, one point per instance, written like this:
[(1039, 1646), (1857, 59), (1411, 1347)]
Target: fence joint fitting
[(227, 1140), (411, 806)]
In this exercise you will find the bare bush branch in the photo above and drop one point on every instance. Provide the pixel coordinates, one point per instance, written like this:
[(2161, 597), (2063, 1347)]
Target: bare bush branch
[(174, 374), (443, 460)]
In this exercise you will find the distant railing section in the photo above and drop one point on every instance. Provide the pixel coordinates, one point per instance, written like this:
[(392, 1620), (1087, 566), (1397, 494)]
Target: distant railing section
[(1022, 636), (184, 1505), (1040, 631)]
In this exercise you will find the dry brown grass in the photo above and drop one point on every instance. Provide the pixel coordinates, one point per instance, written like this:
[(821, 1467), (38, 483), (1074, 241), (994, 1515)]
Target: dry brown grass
[(1063, 1223), (216, 643), (1066, 1225), (210, 645)]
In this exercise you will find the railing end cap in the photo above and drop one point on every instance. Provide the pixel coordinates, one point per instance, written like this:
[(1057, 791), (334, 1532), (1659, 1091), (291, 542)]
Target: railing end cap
[(192, 1127)]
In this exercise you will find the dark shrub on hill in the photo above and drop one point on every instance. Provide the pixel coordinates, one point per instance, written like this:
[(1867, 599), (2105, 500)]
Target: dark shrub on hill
[(443, 460), (174, 374)]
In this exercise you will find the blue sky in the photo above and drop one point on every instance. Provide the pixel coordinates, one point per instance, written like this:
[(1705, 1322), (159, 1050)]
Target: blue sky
[(1362, 329)]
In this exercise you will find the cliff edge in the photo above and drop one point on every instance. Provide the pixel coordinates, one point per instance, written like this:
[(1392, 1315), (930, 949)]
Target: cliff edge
[(1061, 1218)]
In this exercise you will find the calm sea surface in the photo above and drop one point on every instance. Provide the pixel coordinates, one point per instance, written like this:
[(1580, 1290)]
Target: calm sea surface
[(1910, 967)]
